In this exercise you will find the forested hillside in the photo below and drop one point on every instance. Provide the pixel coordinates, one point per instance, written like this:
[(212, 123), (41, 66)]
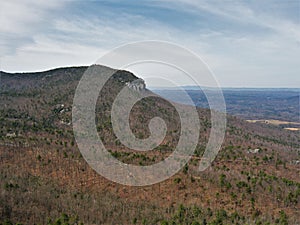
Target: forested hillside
[(45, 180)]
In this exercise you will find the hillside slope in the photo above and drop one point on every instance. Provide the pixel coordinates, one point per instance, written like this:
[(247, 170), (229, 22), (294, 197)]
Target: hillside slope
[(43, 174)]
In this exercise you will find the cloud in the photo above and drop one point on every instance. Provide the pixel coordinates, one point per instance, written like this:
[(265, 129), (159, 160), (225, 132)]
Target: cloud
[(18, 15), (47, 53), (21, 19), (76, 42), (241, 42), (253, 12)]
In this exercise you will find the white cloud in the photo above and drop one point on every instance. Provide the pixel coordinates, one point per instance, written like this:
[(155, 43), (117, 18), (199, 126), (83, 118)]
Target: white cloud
[(22, 19), (20, 16), (81, 41), (241, 12), (36, 37), (47, 53)]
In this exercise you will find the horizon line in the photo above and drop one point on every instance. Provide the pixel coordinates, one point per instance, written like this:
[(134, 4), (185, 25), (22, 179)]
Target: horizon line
[(151, 87)]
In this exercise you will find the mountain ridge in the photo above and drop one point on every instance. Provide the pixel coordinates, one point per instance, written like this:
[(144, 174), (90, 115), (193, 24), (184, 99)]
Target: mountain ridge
[(42, 167)]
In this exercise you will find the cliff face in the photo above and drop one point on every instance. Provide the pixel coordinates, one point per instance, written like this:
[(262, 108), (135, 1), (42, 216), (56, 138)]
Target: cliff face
[(137, 85)]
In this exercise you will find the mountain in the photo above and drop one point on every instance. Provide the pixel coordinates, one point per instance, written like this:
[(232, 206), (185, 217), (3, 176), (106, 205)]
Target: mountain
[(45, 179)]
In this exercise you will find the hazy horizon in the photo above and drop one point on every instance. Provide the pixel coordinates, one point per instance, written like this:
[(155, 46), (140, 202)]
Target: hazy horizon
[(153, 87)]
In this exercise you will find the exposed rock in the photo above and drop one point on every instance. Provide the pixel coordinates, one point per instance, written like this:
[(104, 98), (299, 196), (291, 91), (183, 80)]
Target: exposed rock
[(254, 151), (11, 135), (137, 85), (295, 162)]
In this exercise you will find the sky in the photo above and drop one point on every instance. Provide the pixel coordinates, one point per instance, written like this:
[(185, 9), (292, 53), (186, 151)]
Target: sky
[(244, 43)]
